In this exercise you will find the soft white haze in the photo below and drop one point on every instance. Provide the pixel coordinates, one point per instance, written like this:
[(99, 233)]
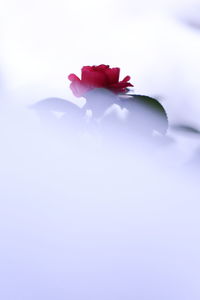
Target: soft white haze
[(85, 215)]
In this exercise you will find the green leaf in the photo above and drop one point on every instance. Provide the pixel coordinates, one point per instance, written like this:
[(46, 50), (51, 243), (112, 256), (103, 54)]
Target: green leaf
[(186, 129), (146, 111)]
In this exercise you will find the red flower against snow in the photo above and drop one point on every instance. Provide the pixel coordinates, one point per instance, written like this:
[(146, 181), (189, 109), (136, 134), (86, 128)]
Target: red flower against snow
[(101, 76)]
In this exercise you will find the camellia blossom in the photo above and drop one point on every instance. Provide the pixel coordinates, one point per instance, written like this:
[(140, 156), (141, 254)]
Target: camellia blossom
[(101, 76)]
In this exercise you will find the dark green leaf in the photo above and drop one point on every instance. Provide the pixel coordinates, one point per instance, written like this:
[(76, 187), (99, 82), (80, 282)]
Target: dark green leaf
[(146, 111), (186, 129)]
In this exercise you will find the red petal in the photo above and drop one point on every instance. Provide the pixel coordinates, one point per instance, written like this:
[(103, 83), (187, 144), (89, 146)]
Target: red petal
[(120, 87), (94, 78), (78, 88), (101, 67), (73, 77), (112, 75), (86, 68), (127, 78)]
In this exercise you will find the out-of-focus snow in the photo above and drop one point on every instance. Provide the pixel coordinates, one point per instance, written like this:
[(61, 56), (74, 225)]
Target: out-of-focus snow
[(85, 218)]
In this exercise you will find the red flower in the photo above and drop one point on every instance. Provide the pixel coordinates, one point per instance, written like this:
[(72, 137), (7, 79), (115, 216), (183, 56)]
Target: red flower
[(101, 76)]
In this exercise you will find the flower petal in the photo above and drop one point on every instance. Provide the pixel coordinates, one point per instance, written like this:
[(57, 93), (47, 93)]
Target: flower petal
[(112, 75), (94, 78), (101, 76), (78, 88), (101, 67), (120, 87), (127, 78), (86, 68), (73, 77)]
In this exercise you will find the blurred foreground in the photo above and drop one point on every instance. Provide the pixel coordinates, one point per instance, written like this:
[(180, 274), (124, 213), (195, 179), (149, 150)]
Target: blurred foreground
[(86, 216)]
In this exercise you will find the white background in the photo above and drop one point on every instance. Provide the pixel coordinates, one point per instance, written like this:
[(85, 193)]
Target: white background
[(78, 220)]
